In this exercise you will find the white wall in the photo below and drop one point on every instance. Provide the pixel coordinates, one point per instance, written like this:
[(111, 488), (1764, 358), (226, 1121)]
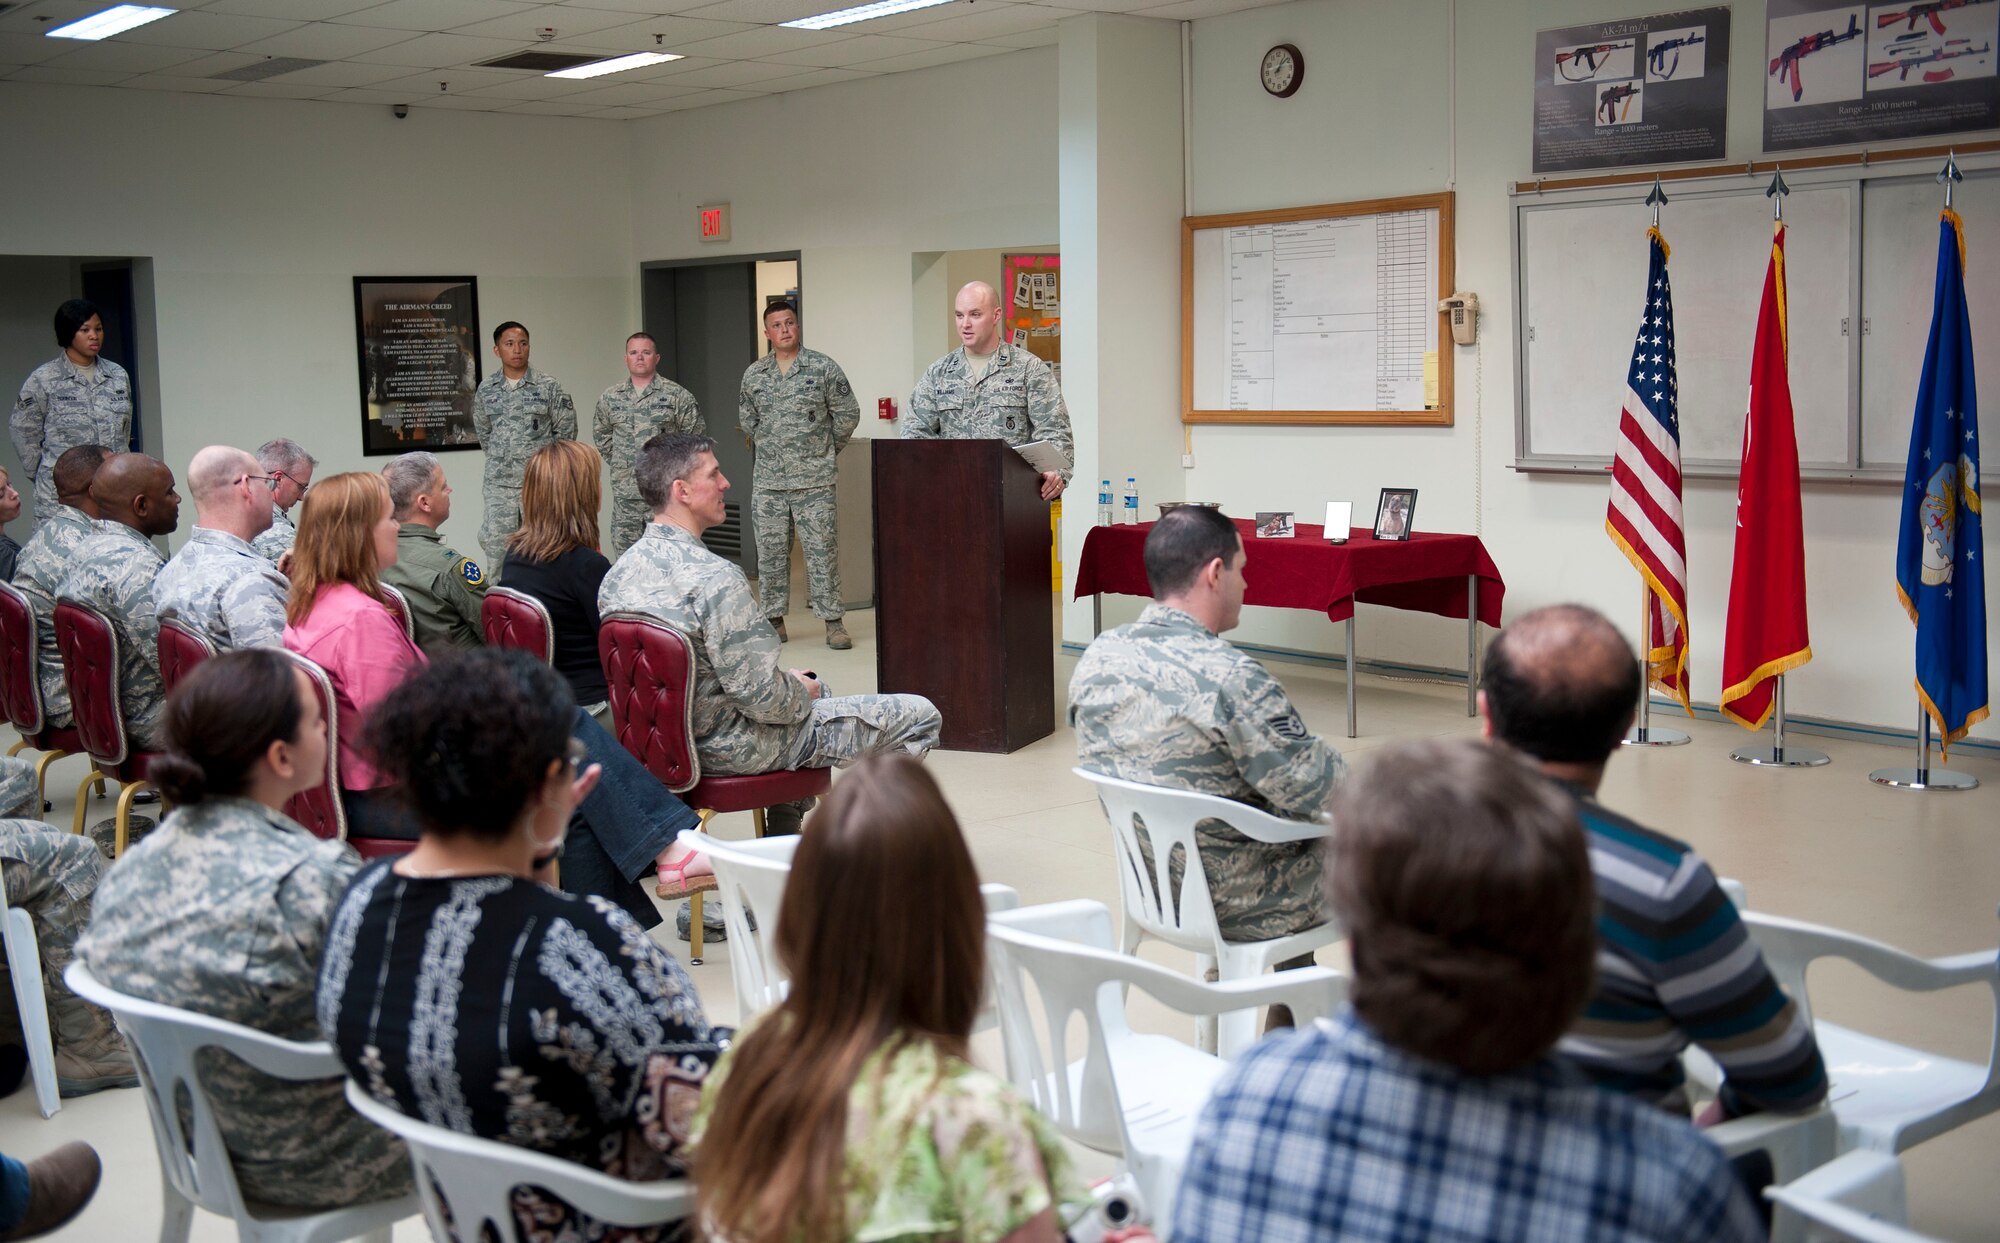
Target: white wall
[(858, 178), (1369, 124), (257, 214)]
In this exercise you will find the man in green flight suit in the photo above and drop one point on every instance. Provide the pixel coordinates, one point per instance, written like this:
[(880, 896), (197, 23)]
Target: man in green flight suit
[(443, 586)]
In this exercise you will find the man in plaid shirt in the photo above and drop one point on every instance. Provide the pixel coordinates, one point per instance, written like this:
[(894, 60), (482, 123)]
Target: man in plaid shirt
[(1431, 1108)]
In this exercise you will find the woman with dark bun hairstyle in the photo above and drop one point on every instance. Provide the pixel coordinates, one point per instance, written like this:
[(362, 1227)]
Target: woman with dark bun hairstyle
[(459, 990), (224, 911)]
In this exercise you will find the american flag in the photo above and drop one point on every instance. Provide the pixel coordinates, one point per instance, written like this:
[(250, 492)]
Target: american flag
[(1644, 517)]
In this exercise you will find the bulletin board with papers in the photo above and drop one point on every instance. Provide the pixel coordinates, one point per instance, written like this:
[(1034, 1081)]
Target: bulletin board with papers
[(1031, 303), (1325, 314)]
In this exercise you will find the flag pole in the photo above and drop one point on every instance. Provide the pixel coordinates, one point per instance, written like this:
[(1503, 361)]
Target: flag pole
[(1642, 734), (1923, 777), (1778, 755)]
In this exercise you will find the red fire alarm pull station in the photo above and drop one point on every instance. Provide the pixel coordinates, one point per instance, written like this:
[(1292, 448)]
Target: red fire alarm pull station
[(886, 408), (714, 222)]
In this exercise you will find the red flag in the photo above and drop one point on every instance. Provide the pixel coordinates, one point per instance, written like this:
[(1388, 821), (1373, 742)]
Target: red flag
[(1765, 633)]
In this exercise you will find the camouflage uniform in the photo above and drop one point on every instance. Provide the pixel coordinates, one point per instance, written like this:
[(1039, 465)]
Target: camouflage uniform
[(798, 420), (1016, 401), (443, 586), (53, 875), (1166, 702), (277, 541), (224, 911), (511, 423), (626, 419), (218, 584), (113, 573), (44, 561), (749, 715), (58, 410)]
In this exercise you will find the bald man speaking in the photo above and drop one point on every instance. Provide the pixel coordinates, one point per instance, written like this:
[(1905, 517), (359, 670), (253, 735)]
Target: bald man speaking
[(987, 389)]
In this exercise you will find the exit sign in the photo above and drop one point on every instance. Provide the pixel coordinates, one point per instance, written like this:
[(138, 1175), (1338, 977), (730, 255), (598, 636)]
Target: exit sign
[(714, 221)]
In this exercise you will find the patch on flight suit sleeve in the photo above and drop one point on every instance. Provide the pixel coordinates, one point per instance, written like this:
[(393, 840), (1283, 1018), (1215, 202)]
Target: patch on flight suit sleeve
[(842, 388), (1289, 726), (468, 569)]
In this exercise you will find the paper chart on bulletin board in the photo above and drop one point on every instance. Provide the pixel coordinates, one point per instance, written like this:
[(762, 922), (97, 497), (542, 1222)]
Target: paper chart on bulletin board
[(1325, 314), (1031, 299)]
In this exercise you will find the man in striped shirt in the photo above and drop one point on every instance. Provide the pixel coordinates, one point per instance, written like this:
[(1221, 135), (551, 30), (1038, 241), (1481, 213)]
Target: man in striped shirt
[(1674, 965)]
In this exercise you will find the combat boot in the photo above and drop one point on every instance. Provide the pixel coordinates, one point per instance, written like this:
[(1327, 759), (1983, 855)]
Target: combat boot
[(785, 819), (837, 637), (778, 624), (86, 1066)]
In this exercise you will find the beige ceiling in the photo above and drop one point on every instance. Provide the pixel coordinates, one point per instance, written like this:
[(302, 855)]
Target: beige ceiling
[(400, 51)]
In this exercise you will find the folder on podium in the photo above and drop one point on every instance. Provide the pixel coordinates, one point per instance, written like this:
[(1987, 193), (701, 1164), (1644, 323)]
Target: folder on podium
[(963, 614)]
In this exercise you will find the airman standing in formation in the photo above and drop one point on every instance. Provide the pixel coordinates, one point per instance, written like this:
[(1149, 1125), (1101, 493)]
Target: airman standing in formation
[(114, 572), (441, 584), (988, 389), (217, 583), (798, 411), (515, 411), (630, 414), (76, 398)]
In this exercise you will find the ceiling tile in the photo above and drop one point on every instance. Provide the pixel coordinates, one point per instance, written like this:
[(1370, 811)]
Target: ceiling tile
[(432, 15), (961, 26), (901, 23), (520, 86), (1045, 37), (455, 103), (761, 41), (213, 32), (111, 56), (436, 51), (818, 77), (367, 95), (764, 11), (327, 41), (53, 13), (213, 63), (27, 49), (169, 82), (707, 99), (941, 54), (733, 73), (1194, 10), (852, 51), (342, 73), (569, 21), (639, 36), (1116, 6), (629, 93), (69, 77), (548, 108), (459, 82), (276, 89), (290, 10), (622, 114)]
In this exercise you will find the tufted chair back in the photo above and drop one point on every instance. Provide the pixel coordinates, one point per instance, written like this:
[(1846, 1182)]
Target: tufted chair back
[(319, 809), (20, 660), (89, 648), (182, 647), (649, 667), (517, 620)]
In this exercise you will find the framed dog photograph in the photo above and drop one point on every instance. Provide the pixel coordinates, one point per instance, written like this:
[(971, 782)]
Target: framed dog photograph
[(1396, 513)]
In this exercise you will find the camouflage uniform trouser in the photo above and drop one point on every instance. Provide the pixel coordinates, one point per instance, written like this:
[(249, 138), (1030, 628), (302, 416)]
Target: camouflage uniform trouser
[(629, 517), (843, 728), (503, 518), (1261, 890), (777, 511), (51, 875)]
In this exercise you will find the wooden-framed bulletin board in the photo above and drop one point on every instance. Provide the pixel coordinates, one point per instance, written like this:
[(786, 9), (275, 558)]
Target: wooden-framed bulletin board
[(1325, 314)]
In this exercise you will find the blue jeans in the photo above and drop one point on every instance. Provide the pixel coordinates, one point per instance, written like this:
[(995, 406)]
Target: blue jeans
[(630, 818), (13, 1193)]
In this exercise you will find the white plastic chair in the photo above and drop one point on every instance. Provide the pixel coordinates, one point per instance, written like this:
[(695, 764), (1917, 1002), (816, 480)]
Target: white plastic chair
[(1169, 817), (750, 880), (1887, 1096), (194, 1165), (24, 964), (1859, 1198), (468, 1182), (1128, 1094)]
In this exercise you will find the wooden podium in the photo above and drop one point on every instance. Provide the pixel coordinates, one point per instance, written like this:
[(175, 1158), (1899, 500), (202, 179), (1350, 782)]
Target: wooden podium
[(963, 613)]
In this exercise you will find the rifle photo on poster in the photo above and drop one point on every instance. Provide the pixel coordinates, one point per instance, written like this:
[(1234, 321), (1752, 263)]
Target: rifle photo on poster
[(1643, 90), (1841, 72)]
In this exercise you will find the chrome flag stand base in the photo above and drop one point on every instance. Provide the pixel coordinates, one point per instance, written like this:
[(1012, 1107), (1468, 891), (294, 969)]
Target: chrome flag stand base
[(1642, 733), (1923, 776), (1778, 755)]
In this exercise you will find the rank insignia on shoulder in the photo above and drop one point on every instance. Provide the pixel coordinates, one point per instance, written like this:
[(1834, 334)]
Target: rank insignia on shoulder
[(470, 569), (1289, 725), (842, 388)]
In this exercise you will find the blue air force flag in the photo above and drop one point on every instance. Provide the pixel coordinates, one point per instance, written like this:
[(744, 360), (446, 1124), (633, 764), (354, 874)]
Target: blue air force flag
[(1940, 558)]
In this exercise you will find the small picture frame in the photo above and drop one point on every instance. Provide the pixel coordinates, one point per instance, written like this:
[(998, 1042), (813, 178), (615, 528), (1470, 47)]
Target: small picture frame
[(1339, 521), (1396, 514), (1276, 524)]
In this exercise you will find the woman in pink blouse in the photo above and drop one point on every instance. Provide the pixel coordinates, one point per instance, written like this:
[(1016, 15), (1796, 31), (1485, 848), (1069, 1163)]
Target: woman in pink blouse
[(337, 619)]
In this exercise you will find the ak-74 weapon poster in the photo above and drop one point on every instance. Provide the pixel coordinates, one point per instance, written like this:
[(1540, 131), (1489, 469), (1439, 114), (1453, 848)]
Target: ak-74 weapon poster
[(1844, 72), (1647, 90)]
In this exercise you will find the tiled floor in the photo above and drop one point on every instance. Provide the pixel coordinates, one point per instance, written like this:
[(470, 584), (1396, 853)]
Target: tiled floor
[(1918, 871)]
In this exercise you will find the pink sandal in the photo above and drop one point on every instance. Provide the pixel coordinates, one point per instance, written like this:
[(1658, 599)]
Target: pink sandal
[(674, 883)]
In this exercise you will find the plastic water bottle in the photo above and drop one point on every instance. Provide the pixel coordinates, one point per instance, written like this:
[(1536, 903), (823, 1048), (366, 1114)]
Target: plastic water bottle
[(1104, 503), (1131, 500)]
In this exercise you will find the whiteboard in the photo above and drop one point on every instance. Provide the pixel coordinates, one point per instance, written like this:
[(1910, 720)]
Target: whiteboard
[(1321, 314), (1581, 274)]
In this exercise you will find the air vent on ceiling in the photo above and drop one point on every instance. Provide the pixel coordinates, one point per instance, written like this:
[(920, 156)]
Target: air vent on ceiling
[(257, 71), (539, 62)]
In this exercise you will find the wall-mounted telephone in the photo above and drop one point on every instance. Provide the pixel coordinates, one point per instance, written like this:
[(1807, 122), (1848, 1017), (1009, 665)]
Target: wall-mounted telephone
[(1464, 311)]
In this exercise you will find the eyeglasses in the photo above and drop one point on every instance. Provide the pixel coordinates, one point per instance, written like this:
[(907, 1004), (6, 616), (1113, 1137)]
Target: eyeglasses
[(302, 487), (269, 481)]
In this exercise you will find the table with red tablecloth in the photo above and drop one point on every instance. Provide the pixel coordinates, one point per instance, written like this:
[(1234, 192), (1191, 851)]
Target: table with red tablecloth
[(1431, 572)]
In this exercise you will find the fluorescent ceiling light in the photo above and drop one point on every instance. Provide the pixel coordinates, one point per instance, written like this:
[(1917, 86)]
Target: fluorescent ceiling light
[(598, 68), (862, 13), (111, 22)]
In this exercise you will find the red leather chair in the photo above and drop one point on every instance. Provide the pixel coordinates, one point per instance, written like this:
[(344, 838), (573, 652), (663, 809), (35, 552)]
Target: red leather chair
[(650, 669), (89, 648), (399, 607), (21, 690), (182, 647), (319, 809), (517, 620)]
